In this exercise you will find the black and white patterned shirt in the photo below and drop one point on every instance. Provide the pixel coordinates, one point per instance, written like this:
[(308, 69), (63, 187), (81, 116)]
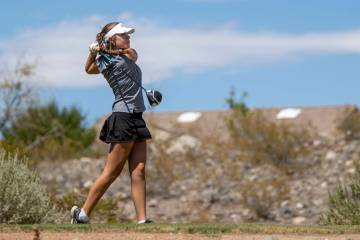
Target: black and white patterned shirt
[(121, 72)]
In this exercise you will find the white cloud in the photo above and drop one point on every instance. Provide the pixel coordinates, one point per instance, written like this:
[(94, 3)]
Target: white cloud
[(61, 49)]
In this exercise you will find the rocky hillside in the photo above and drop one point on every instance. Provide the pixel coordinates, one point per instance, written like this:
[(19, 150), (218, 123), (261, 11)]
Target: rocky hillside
[(194, 174)]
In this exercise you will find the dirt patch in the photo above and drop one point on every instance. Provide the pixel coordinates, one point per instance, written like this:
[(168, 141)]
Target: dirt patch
[(48, 235)]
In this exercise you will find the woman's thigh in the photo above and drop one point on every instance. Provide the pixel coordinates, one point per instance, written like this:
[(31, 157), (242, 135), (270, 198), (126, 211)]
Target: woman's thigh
[(137, 157), (117, 156)]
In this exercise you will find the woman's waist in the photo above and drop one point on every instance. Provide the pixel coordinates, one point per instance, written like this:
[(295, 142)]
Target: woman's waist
[(127, 114), (128, 106)]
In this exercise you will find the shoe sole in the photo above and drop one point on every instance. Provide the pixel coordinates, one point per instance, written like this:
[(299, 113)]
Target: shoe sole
[(72, 213)]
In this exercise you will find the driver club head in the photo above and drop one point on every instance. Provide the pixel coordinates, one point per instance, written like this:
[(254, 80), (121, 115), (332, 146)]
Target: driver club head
[(154, 97)]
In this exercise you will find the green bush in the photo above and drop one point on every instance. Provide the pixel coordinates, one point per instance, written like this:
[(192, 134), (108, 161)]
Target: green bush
[(48, 132), (349, 123), (344, 203), (23, 200), (237, 104)]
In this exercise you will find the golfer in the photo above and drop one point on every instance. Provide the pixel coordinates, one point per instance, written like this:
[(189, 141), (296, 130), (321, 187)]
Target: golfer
[(125, 128)]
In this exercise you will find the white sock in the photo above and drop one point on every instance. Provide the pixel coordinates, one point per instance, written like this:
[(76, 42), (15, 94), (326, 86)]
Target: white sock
[(83, 216), (142, 221)]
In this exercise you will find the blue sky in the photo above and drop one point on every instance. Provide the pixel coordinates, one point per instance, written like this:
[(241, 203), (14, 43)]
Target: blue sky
[(283, 53)]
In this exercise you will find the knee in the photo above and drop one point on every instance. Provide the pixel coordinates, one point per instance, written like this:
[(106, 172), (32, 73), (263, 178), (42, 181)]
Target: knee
[(138, 172)]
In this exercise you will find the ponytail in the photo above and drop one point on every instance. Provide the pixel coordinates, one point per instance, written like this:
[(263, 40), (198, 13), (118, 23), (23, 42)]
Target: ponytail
[(107, 47)]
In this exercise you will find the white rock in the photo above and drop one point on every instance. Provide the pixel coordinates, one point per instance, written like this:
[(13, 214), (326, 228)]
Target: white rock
[(316, 143), (153, 203), (183, 144), (351, 170), (76, 190), (318, 202), (235, 217), (121, 195), (349, 163), (288, 113), (323, 185), (298, 220), (160, 135), (189, 117), (88, 184), (284, 203), (299, 205), (253, 177), (85, 160), (246, 212), (331, 155)]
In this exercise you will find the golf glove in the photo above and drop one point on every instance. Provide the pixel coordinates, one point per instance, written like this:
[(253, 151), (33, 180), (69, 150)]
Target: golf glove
[(94, 48)]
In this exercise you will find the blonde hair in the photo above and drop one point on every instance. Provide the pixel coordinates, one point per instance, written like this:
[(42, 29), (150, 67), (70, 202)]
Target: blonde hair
[(108, 47)]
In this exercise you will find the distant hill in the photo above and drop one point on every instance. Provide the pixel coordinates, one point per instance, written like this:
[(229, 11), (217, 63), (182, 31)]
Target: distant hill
[(322, 118)]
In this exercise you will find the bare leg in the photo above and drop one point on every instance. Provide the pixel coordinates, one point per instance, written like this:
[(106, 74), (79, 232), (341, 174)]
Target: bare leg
[(137, 160), (115, 162)]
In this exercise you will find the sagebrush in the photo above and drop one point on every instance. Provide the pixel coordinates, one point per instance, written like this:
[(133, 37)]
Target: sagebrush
[(344, 202), (23, 199)]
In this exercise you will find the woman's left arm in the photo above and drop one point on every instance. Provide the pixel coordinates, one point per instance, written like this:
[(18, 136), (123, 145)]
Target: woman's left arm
[(90, 65)]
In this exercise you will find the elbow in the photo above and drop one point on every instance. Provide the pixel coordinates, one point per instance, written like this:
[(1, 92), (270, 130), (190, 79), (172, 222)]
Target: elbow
[(88, 71), (91, 69)]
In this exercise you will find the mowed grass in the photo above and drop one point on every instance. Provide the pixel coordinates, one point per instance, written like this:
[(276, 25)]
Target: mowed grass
[(192, 228)]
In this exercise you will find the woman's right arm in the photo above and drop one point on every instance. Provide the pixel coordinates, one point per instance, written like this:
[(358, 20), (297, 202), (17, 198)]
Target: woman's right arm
[(90, 65)]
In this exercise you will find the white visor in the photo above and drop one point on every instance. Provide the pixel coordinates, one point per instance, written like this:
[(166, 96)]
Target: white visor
[(118, 29)]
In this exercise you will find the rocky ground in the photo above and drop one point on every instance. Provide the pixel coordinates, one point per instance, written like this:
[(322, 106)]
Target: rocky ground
[(189, 181)]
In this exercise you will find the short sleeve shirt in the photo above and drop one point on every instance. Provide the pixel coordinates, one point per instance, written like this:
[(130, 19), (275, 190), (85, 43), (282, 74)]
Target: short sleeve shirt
[(125, 78)]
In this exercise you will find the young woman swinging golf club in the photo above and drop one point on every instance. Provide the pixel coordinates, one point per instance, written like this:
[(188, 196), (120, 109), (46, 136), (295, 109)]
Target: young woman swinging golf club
[(125, 128)]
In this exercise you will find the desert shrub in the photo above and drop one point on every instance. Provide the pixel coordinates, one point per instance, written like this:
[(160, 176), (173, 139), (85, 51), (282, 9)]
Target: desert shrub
[(264, 141), (23, 200), (344, 203), (349, 123), (168, 165), (261, 197), (48, 132), (240, 104)]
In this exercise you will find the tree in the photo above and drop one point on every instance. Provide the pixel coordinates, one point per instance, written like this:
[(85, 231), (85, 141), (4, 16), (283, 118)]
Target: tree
[(48, 132), (15, 93)]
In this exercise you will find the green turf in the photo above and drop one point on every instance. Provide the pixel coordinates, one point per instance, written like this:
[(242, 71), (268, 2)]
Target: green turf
[(194, 228)]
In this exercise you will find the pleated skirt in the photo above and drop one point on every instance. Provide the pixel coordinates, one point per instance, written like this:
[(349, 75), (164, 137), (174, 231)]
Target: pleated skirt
[(124, 127)]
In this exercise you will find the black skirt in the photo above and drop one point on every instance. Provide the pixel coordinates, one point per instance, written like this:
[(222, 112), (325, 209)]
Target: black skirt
[(124, 127)]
